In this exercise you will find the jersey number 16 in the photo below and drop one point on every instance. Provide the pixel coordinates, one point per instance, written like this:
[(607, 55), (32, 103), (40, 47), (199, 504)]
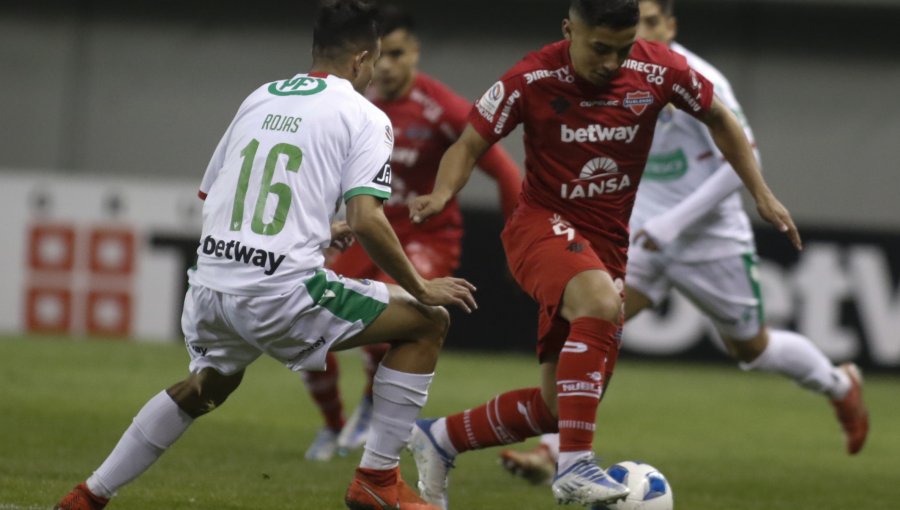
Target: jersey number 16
[(281, 190)]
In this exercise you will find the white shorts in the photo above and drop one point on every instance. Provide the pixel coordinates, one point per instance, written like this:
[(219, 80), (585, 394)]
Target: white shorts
[(227, 332), (726, 290)]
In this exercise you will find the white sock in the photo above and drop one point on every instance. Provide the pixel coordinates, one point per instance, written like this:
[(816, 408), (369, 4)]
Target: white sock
[(442, 437), (795, 356), (397, 398), (551, 442), (566, 459), (157, 425)]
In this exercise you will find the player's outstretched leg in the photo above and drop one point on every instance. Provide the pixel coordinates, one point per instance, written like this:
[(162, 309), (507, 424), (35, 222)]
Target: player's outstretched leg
[(507, 418), (400, 390), (156, 426), (796, 357), (324, 390)]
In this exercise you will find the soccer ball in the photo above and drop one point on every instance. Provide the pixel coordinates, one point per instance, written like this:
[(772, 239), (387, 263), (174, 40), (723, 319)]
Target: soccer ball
[(649, 488)]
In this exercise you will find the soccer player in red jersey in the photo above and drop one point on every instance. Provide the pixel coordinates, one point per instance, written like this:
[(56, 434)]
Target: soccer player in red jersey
[(589, 106), (427, 118)]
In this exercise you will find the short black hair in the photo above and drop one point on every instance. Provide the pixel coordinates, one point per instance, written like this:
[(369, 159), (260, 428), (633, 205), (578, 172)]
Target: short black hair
[(666, 7), (345, 26), (394, 18), (608, 13)]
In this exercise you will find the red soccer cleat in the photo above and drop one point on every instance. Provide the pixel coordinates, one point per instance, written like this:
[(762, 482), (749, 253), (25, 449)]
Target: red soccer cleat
[(81, 498), (851, 411), (382, 490), (537, 465)]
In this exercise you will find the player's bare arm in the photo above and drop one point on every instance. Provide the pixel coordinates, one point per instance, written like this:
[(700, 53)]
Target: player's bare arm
[(453, 173), (729, 137), (365, 216)]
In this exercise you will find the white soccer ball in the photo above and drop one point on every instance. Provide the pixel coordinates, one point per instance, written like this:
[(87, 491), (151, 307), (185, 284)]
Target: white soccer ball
[(649, 488)]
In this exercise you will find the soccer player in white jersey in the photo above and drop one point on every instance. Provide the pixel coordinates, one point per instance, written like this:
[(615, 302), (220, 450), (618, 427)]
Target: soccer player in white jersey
[(690, 232), (295, 149)]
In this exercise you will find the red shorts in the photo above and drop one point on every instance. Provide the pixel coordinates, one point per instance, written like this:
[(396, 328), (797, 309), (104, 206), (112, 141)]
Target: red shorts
[(544, 252), (433, 257)]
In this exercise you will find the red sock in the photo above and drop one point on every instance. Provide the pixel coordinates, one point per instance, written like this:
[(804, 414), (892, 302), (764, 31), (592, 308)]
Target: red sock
[(323, 387), (507, 418), (380, 477), (583, 369), (373, 355)]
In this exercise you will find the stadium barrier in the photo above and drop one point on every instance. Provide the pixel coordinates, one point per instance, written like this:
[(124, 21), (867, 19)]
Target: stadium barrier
[(100, 256)]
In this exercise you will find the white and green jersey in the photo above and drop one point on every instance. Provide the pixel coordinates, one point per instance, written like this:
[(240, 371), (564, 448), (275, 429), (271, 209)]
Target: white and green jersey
[(683, 156), (294, 150)]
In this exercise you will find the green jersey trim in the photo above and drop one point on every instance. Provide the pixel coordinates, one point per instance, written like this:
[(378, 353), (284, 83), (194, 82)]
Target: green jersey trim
[(365, 190), (344, 303), (753, 277)]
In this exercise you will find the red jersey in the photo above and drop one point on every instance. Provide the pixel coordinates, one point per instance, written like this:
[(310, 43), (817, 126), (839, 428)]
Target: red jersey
[(586, 146), (426, 122)]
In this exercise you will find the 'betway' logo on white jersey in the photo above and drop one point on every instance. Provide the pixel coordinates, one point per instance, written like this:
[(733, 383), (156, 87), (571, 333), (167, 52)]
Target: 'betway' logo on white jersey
[(598, 133), (234, 250), (599, 176), (561, 74)]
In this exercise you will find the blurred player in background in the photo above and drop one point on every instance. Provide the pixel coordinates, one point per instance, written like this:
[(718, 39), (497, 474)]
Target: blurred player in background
[(690, 232), (589, 106), (427, 117), (295, 149)]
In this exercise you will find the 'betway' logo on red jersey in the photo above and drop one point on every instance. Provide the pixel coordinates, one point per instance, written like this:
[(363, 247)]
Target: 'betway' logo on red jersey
[(598, 133)]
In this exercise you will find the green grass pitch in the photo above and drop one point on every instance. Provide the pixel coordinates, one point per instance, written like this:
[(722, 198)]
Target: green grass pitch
[(725, 439)]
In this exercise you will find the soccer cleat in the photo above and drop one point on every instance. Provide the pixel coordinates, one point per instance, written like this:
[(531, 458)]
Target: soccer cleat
[(323, 447), (356, 430), (536, 466), (409, 500), (366, 493), (585, 483), (432, 462), (851, 411), (81, 498)]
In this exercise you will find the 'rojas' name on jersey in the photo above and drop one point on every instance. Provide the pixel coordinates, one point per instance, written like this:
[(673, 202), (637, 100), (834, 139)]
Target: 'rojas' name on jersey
[(234, 250)]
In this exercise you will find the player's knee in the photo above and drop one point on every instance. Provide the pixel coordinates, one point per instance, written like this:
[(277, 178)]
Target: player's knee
[(439, 324), (204, 391), (747, 350), (607, 307)]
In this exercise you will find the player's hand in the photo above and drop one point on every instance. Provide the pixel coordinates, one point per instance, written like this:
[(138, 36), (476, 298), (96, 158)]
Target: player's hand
[(771, 210), (425, 206), (341, 236), (643, 239), (449, 291)]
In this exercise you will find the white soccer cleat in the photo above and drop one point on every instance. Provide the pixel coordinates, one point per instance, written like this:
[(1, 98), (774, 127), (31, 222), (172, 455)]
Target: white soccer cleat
[(356, 430), (323, 447), (585, 483), (432, 462)]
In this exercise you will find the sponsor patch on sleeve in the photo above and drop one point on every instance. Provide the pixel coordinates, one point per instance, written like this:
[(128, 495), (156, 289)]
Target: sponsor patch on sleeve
[(490, 101), (384, 176)]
